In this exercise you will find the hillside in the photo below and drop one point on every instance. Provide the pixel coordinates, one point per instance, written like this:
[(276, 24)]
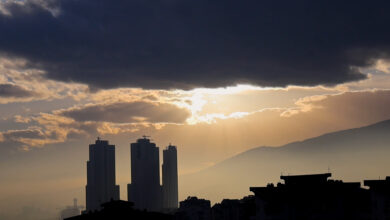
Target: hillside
[(351, 155)]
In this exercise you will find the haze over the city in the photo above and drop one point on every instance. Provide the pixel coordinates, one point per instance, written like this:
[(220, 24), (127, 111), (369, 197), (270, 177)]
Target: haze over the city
[(213, 78)]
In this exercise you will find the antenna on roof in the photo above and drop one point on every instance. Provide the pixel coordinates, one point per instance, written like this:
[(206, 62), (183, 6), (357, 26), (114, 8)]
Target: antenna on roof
[(98, 138)]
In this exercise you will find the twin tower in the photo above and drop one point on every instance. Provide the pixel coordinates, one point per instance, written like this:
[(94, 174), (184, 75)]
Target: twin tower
[(145, 190)]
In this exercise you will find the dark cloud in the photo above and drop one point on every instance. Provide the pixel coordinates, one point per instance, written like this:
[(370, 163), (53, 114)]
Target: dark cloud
[(30, 133), (364, 106), (128, 112), (192, 43), (30, 137), (14, 91)]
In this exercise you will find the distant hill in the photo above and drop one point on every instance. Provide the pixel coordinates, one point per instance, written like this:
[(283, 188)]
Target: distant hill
[(351, 155)]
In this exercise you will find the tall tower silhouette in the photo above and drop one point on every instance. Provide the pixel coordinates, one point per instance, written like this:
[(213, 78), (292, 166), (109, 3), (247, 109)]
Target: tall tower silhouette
[(145, 189), (169, 178), (101, 186)]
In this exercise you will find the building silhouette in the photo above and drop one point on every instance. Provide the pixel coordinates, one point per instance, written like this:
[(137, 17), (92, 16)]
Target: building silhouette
[(70, 211), (145, 190), (101, 184), (303, 197), (380, 198), (228, 209), (121, 210), (194, 209), (312, 197), (169, 178), (234, 209)]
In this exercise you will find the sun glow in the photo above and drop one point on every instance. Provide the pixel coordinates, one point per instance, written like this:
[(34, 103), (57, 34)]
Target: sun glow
[(197, 99)]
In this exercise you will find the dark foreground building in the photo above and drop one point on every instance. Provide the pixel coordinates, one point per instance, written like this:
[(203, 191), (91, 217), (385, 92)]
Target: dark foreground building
[(145, 190), (194, 209), (101, 184), (234, 209), (121, 210), (229, 209), (380, 198), (300, 197), (170, 178), (312, 197)]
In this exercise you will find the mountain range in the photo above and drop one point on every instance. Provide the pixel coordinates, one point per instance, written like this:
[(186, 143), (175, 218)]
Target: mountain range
[(350, 155)]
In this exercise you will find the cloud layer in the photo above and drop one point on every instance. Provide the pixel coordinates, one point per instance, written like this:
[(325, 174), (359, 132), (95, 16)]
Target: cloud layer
[(21, 83), (187, 43), (107, 118), (14, 91), (128, 112)]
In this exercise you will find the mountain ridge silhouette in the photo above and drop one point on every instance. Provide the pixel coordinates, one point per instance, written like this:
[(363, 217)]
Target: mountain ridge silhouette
[(351, 155)]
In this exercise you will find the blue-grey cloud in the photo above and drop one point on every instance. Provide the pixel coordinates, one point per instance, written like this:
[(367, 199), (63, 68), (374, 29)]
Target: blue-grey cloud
[(14, 91), (128, 112), (30, 133), (197, 43)]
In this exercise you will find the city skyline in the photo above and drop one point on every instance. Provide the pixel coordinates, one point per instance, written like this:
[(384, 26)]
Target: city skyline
[(296, 197), (145, 190), (265, 87)]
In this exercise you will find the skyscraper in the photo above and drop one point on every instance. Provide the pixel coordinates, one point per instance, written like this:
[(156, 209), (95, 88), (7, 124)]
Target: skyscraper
[(101, 186), (145, 189), (70, 211), (169, 178)]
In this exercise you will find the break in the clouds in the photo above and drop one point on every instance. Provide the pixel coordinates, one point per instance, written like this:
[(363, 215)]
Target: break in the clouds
[(14, 91), (197, 43), (128, 112)]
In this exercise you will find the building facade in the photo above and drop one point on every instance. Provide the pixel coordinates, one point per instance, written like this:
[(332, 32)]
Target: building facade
[(312, 197), (234, 209), (145, 189), (194, 209), (101, 184), (380, 198), (169, 178)]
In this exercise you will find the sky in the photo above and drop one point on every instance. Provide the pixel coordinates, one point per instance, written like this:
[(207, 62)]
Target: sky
[(215, 78)]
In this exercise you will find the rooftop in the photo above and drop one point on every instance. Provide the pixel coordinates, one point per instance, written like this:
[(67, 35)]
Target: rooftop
[(306, 179)]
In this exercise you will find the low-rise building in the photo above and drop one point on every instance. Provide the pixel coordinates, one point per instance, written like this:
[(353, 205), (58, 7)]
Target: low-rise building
[(194, 209), (312, 197), (380, 198), (234, 209)]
